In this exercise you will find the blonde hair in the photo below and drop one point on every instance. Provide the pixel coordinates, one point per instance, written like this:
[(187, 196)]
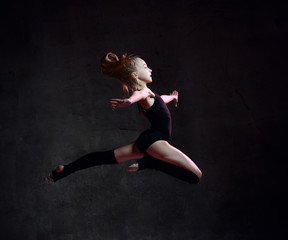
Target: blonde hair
[(122, 69)]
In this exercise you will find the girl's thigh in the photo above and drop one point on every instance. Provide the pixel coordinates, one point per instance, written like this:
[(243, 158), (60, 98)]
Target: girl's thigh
[(162, 150)]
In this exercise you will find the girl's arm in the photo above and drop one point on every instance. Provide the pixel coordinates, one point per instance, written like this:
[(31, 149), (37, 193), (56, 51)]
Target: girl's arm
[(135, 97), (172, 97)]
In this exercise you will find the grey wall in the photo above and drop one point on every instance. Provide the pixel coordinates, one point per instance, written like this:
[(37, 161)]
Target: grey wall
[(226, 59)]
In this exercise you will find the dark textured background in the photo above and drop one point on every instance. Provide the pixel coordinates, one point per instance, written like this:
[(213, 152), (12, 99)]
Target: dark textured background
[(227, 59)]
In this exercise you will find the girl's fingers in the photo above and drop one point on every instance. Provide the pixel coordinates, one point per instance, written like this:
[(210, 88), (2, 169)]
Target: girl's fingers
[(114, 103), (119, 103), (175, 93)]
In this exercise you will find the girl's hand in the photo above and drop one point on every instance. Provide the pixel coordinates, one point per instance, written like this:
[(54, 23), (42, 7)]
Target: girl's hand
[(175, 95), (119, 103)]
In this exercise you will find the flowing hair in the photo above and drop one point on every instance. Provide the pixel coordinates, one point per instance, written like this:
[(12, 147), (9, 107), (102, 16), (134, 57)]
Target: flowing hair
[(122, 69)]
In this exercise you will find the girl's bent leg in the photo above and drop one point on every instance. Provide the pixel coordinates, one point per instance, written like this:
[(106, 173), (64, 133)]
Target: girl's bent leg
[(149, 162), (162, 150)]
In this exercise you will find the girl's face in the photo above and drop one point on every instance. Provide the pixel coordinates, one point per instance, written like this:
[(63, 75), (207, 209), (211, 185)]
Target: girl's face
[(143, 72)]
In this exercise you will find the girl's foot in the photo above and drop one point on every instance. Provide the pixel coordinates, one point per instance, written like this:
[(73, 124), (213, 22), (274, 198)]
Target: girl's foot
[(133, 168), (50, 179)]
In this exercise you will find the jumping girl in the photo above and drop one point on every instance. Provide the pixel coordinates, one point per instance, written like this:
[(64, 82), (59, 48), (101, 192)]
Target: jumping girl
[(134, 75)]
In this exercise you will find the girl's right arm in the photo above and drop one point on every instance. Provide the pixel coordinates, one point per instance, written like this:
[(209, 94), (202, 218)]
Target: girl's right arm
[(135, 97)]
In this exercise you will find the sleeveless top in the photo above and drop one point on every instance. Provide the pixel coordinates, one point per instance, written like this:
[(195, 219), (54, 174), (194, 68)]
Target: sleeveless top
[(161, 125)]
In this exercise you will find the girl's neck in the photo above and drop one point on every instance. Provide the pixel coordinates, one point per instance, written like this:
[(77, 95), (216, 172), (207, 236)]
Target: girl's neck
[(141, 85)]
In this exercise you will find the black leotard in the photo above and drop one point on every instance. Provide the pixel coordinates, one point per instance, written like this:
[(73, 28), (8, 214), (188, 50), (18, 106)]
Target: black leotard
[(161, 125)]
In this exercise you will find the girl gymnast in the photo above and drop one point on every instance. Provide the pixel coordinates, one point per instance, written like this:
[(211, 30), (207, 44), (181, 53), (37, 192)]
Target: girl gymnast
[(134, 75)]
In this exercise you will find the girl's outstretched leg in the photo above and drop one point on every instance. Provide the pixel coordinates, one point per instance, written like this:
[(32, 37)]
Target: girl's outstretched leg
[(121, 154), (87, 161)]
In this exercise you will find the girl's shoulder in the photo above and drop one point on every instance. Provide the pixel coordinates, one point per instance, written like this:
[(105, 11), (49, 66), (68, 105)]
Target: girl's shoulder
[(149, 99), (150, 93), (147, 93)]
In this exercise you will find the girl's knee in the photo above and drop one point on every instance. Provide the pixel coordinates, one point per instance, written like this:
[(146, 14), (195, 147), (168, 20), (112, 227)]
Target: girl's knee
[(199, 175)]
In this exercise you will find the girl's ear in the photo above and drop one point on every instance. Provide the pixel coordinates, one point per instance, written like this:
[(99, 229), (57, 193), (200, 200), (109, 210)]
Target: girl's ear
[(134, 75)]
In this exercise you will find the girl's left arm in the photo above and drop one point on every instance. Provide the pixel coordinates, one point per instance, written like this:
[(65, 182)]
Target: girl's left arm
[(172, 97)]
